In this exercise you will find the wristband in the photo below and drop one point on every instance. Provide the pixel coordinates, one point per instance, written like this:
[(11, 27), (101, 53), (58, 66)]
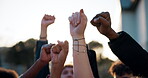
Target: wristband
[(78, 39), (43, 37)]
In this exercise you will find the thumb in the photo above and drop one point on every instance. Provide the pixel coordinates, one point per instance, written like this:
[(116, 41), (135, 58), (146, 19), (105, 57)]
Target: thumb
[(54, 57), (83, 16), (81, 11)]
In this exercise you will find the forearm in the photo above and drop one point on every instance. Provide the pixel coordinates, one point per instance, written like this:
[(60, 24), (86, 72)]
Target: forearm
[(112, 34), (34, 70), (82, 67), (56, 71), (126, 46), (43, 33)]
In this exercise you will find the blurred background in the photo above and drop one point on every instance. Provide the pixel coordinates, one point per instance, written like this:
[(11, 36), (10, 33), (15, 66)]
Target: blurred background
[(21, 20)]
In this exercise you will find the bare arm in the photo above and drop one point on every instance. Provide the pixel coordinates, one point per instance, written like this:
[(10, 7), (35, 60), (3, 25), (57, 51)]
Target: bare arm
[(46, 21), (82, 68), (59, 54), (40, 63)]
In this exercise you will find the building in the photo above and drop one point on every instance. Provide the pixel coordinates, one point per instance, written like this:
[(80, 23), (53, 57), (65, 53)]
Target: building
[(135, 20)]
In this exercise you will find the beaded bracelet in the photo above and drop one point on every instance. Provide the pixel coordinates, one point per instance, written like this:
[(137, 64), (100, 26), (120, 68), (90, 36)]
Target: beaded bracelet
[(78, 48)]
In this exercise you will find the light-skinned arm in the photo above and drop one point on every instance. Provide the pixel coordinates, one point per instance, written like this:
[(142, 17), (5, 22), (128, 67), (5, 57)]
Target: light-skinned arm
[(78, 22), (59, 54)]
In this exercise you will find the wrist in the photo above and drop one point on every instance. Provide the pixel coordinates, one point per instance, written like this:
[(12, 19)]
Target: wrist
[(112, 35), (56, 71), (78, 37), (41, 62), (79, 45), (43, 34), (44, 26), (43, 37)]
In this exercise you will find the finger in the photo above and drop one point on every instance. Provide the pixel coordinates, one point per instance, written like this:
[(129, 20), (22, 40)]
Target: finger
[(105, 15), (75, 18), (83, 16), (53, 17), (56, 49), (66, 45), (44, 16), (102, 21), (78, 19), (47, 47), (81, 11), (60, 43), (70, 19), (54, 58)]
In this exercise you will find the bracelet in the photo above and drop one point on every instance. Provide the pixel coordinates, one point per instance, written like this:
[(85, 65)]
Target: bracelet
[(78, 39), (78, 48), (79, 51), (79, 45), (43, 37)]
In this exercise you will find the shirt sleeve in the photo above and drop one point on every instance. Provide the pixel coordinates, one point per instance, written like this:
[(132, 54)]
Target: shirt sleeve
[(45, 70), (130, 53)]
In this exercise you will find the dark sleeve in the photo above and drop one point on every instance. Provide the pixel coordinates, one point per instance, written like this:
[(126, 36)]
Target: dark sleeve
[(130, 53), (45, 71), (93, 63)]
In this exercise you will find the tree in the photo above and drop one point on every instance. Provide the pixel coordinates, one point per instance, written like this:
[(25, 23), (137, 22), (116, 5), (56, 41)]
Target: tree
[(97, 47), (95, 44), (22, 53), (103, 63)]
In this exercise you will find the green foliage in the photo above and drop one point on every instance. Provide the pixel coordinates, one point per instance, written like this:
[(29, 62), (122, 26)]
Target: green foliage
[(103, 67), (103, 63), (22, 53), (3, 52), (95, 44)]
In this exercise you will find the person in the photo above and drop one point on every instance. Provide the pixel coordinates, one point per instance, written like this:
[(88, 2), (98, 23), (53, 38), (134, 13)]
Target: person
[(56, 54), (120, 70), (123, 45), (47, 20), (93, 62), (82, 68), (67, 71), (8, 73)]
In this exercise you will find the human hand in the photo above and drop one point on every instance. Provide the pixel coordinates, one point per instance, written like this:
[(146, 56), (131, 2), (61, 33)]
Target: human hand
[(47, 20), (78, 22), (59, 53), (103, 23), (45, 55)]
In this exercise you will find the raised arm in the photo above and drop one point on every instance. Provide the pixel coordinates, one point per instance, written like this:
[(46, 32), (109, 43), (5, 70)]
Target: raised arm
[(78, 22), (123, 45), (43, 60), (46, 21), (59, 54), (102, 22)]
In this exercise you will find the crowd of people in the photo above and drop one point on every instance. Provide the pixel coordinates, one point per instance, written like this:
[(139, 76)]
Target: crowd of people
[(134, 59)]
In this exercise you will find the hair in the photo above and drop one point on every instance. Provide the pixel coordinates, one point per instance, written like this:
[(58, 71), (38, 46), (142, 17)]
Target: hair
[(69, 66), (8, 73), (119, 69)]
